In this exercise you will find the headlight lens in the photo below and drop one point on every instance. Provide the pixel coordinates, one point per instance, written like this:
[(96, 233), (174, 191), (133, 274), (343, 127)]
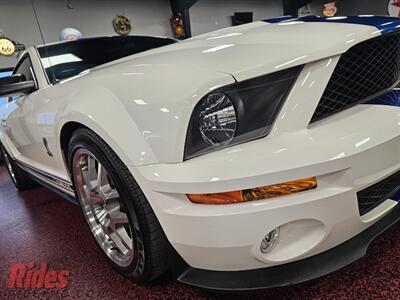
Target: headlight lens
[(238, 113), (217, 119)]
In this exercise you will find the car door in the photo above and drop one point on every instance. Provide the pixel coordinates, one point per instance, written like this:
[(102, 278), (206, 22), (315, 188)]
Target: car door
[(17, 121)]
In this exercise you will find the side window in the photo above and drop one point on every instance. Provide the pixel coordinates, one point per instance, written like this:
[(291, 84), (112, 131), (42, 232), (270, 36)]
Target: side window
[(25, 68)]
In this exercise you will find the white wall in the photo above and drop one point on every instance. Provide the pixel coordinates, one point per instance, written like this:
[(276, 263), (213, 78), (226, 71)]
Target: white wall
[(91, 17)]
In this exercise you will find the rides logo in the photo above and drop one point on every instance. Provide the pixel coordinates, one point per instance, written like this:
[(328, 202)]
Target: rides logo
[(35, 277)]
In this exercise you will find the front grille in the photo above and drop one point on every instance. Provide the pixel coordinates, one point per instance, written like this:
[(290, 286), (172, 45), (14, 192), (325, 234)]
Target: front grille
[(376, 194), (363, 72)]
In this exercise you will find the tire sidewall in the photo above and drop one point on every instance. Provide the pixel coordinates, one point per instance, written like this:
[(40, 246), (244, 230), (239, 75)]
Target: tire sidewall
[(15, 180), (83, 140)]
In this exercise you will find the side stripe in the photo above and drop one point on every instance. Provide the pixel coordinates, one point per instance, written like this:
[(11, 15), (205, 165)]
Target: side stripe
[(55, 181)]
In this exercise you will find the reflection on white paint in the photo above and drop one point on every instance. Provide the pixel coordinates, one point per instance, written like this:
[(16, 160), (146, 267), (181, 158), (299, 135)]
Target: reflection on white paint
[(280, 150), (234, 151), (45, 118), (140, 102), (341, 155), (164, 109), (128, 74), (218, 48), (224, 36), (290, 23), (336, 18), (214, 87), (290, 61), (329, 62), (359, 144), (305, 79)]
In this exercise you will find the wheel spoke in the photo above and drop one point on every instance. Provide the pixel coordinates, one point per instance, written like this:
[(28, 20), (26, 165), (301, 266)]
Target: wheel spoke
[(119, 220), (111, 194), (101, 177), (96, 199), (122, 240), (92, 173), (102, 204)]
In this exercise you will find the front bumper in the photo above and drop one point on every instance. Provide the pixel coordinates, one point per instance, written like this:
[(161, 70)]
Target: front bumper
[(292, 273), (226, 239)]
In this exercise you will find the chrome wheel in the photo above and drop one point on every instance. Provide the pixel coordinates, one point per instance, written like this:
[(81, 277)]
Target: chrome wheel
[(9, 166), (103, 209)]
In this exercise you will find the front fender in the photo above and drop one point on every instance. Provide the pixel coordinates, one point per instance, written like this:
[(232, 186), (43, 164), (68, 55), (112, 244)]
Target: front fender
[(141, 111), (107, 117)]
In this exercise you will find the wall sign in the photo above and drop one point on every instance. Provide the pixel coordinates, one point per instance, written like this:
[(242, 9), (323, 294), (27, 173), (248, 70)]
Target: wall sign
[(329, 9), (394, 8), (122, 25), (7, 47)]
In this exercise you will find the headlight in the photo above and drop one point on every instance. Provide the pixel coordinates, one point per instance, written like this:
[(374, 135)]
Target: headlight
[(217, 119), (238, 113)]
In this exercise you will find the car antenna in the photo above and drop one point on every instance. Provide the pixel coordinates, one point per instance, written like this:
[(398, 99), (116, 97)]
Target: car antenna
[(53, 79)]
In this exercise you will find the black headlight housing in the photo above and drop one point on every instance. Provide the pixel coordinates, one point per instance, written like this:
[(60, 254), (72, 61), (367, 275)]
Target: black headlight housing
[(238, 113)]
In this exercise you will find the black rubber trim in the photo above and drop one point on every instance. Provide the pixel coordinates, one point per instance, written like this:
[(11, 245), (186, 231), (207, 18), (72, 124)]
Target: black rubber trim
[(292, 273)]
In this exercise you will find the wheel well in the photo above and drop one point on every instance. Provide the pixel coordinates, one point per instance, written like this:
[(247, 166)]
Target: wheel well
[(65, 136)]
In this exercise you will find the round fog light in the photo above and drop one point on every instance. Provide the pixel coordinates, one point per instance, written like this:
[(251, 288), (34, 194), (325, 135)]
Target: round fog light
[(269, 241)]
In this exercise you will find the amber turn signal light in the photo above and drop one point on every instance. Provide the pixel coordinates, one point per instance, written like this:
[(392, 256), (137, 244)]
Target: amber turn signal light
[(260, 193)]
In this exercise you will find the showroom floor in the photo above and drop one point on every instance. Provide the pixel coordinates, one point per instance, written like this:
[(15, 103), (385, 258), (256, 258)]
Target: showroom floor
[(39, 226)]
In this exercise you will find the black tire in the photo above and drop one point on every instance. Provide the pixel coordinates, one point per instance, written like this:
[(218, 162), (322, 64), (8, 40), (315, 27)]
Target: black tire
[(151, 261), (19, 177)]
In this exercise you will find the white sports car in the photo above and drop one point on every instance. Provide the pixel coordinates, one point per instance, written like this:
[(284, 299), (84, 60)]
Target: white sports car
[(251, 157)]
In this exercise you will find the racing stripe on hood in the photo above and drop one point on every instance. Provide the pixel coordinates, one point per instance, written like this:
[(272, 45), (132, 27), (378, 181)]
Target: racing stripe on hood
[(382, 23)]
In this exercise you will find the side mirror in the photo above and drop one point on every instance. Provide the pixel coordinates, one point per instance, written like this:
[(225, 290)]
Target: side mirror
[(16, 85)]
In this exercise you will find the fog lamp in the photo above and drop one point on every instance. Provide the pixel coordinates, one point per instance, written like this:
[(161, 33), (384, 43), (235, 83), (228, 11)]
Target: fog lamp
[(269, 241)]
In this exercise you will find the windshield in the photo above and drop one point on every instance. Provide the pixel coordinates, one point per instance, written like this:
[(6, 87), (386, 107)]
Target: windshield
[(65, 60)]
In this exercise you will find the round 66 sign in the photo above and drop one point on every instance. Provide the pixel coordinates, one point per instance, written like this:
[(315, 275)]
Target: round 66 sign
[(394, 8), (7, 47)]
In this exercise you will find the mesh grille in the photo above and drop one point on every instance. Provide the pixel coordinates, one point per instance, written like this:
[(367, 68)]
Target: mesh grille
[(374, 195), (365, 71)]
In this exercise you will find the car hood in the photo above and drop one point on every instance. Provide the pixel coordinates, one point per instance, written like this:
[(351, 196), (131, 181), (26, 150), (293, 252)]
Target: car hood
[(259, 48)]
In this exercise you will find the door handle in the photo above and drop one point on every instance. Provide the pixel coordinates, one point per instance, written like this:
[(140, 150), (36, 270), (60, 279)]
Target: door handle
[(3, 122)]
